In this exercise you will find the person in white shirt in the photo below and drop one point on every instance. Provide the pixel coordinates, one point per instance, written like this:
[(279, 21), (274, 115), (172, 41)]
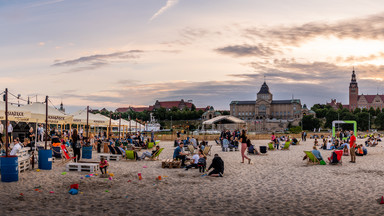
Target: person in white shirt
[(330, 146), (1, 132), (9, 130), (16, 148), (195, 159), (41, 133)]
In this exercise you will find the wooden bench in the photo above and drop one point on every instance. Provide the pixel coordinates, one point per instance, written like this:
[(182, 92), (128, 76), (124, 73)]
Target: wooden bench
[(24, 163), (22, 153), (110, 157), (82, 167), (170, 163)]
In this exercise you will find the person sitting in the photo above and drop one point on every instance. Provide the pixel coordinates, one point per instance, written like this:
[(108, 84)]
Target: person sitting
[(103, 165), (359, 150), (252, 149), (218, 167), (16, 147), (195, 161), (365, 151), (294, 141), (316, 143), (234, 144), (149, 154), (179, 154), (177, 142), (330, 146), (316, 153)]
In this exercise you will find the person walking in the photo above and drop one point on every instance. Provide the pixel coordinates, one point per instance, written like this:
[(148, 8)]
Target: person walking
[(352, 144), (76, 145), (9, 131), (243, 140)]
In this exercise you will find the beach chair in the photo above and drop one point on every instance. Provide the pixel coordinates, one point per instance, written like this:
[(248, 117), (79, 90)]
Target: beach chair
[(298, 142), (286, 145), (311, 158), (271, 147), (112, 150), (118, 151), (150, 145), (156, 155), (191, 148), (207, 150), (130, 154), (65, 154)]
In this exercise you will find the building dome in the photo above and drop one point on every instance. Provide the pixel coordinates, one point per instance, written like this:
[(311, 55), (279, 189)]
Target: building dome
[(264, 89)]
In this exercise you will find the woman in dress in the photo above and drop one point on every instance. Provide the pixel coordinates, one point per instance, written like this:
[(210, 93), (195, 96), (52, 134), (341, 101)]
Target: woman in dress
[(243, 140)]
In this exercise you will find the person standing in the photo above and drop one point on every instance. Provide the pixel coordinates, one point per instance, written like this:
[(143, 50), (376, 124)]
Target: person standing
[(9, 131), (352, 144), (1, 132), (152, 136), (243, 140), (41, 133), (76, 145)]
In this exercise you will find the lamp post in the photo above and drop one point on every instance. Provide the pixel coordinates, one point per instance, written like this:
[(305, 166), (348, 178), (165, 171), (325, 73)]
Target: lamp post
[(18, 100)]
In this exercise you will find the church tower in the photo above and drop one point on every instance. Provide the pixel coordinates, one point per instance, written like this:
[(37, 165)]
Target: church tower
[(353, 92)]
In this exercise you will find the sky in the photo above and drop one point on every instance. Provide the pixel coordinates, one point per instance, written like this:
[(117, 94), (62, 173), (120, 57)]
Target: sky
[(119, 53)]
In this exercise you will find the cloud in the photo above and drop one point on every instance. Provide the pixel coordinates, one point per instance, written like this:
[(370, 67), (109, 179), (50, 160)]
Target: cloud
[(370, 27), (168, 5), (246, 50), (43, 3), (97, 61)]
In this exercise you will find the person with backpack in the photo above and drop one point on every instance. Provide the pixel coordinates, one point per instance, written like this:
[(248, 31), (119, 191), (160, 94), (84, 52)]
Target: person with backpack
[(76, 145)]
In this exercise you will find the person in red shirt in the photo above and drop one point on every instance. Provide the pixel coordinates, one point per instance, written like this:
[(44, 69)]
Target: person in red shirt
[(352, 144), (103, 165)]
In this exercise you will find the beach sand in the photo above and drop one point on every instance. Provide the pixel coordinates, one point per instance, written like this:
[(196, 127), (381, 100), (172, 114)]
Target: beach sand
[(279, 183)]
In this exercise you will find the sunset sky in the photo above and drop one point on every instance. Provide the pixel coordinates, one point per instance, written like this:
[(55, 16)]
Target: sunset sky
[(117, 53)]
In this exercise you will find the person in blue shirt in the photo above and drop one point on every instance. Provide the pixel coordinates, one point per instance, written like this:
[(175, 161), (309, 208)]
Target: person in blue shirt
[(316, 153), (179, 154)]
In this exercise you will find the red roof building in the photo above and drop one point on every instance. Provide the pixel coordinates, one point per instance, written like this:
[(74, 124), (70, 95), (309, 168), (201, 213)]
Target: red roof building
[(163, 104)]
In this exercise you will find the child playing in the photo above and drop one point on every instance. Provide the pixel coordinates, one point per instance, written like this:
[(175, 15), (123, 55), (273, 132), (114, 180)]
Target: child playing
[(201, 163), (103, 165)]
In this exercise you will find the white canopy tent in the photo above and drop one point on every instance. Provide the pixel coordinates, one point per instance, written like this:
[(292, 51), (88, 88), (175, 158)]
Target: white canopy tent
[(38, 112), (15, 113), (80, 117), (224, 122)]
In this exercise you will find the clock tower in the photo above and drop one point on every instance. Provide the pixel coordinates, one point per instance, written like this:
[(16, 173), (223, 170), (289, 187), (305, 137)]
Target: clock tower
[(353, 92)]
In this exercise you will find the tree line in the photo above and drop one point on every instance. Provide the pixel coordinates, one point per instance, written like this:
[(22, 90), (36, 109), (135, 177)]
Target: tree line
[(325, 114)]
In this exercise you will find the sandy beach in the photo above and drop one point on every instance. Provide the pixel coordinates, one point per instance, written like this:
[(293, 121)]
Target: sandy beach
[(279, 183)]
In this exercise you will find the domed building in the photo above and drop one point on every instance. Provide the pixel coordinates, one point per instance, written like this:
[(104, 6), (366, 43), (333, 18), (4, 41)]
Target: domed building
[(266, 110)]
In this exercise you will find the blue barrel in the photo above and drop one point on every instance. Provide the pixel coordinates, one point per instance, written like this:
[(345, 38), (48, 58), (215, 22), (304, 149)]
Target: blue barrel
[(87, 152), (45, 159), (9, 169)]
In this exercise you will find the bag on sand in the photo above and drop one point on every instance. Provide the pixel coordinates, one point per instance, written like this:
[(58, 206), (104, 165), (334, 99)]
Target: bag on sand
[(334, 158), (322, 162)]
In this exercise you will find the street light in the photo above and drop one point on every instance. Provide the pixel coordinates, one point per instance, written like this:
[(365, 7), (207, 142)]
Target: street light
[(18, 100)]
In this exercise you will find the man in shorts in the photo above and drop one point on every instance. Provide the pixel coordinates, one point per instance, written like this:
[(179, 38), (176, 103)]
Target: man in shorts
[(352, 144)]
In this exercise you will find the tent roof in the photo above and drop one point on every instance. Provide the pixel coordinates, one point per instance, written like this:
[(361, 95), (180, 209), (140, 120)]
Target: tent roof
[(14, 113), (229, 118), (81, 117), (54, 115)]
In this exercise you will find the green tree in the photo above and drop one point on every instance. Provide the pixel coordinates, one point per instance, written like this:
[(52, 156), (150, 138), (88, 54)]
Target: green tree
[(372, 111), (310, 122), (330, 116), (357, 110), (378, 111), (363, 120), (379, 121)]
